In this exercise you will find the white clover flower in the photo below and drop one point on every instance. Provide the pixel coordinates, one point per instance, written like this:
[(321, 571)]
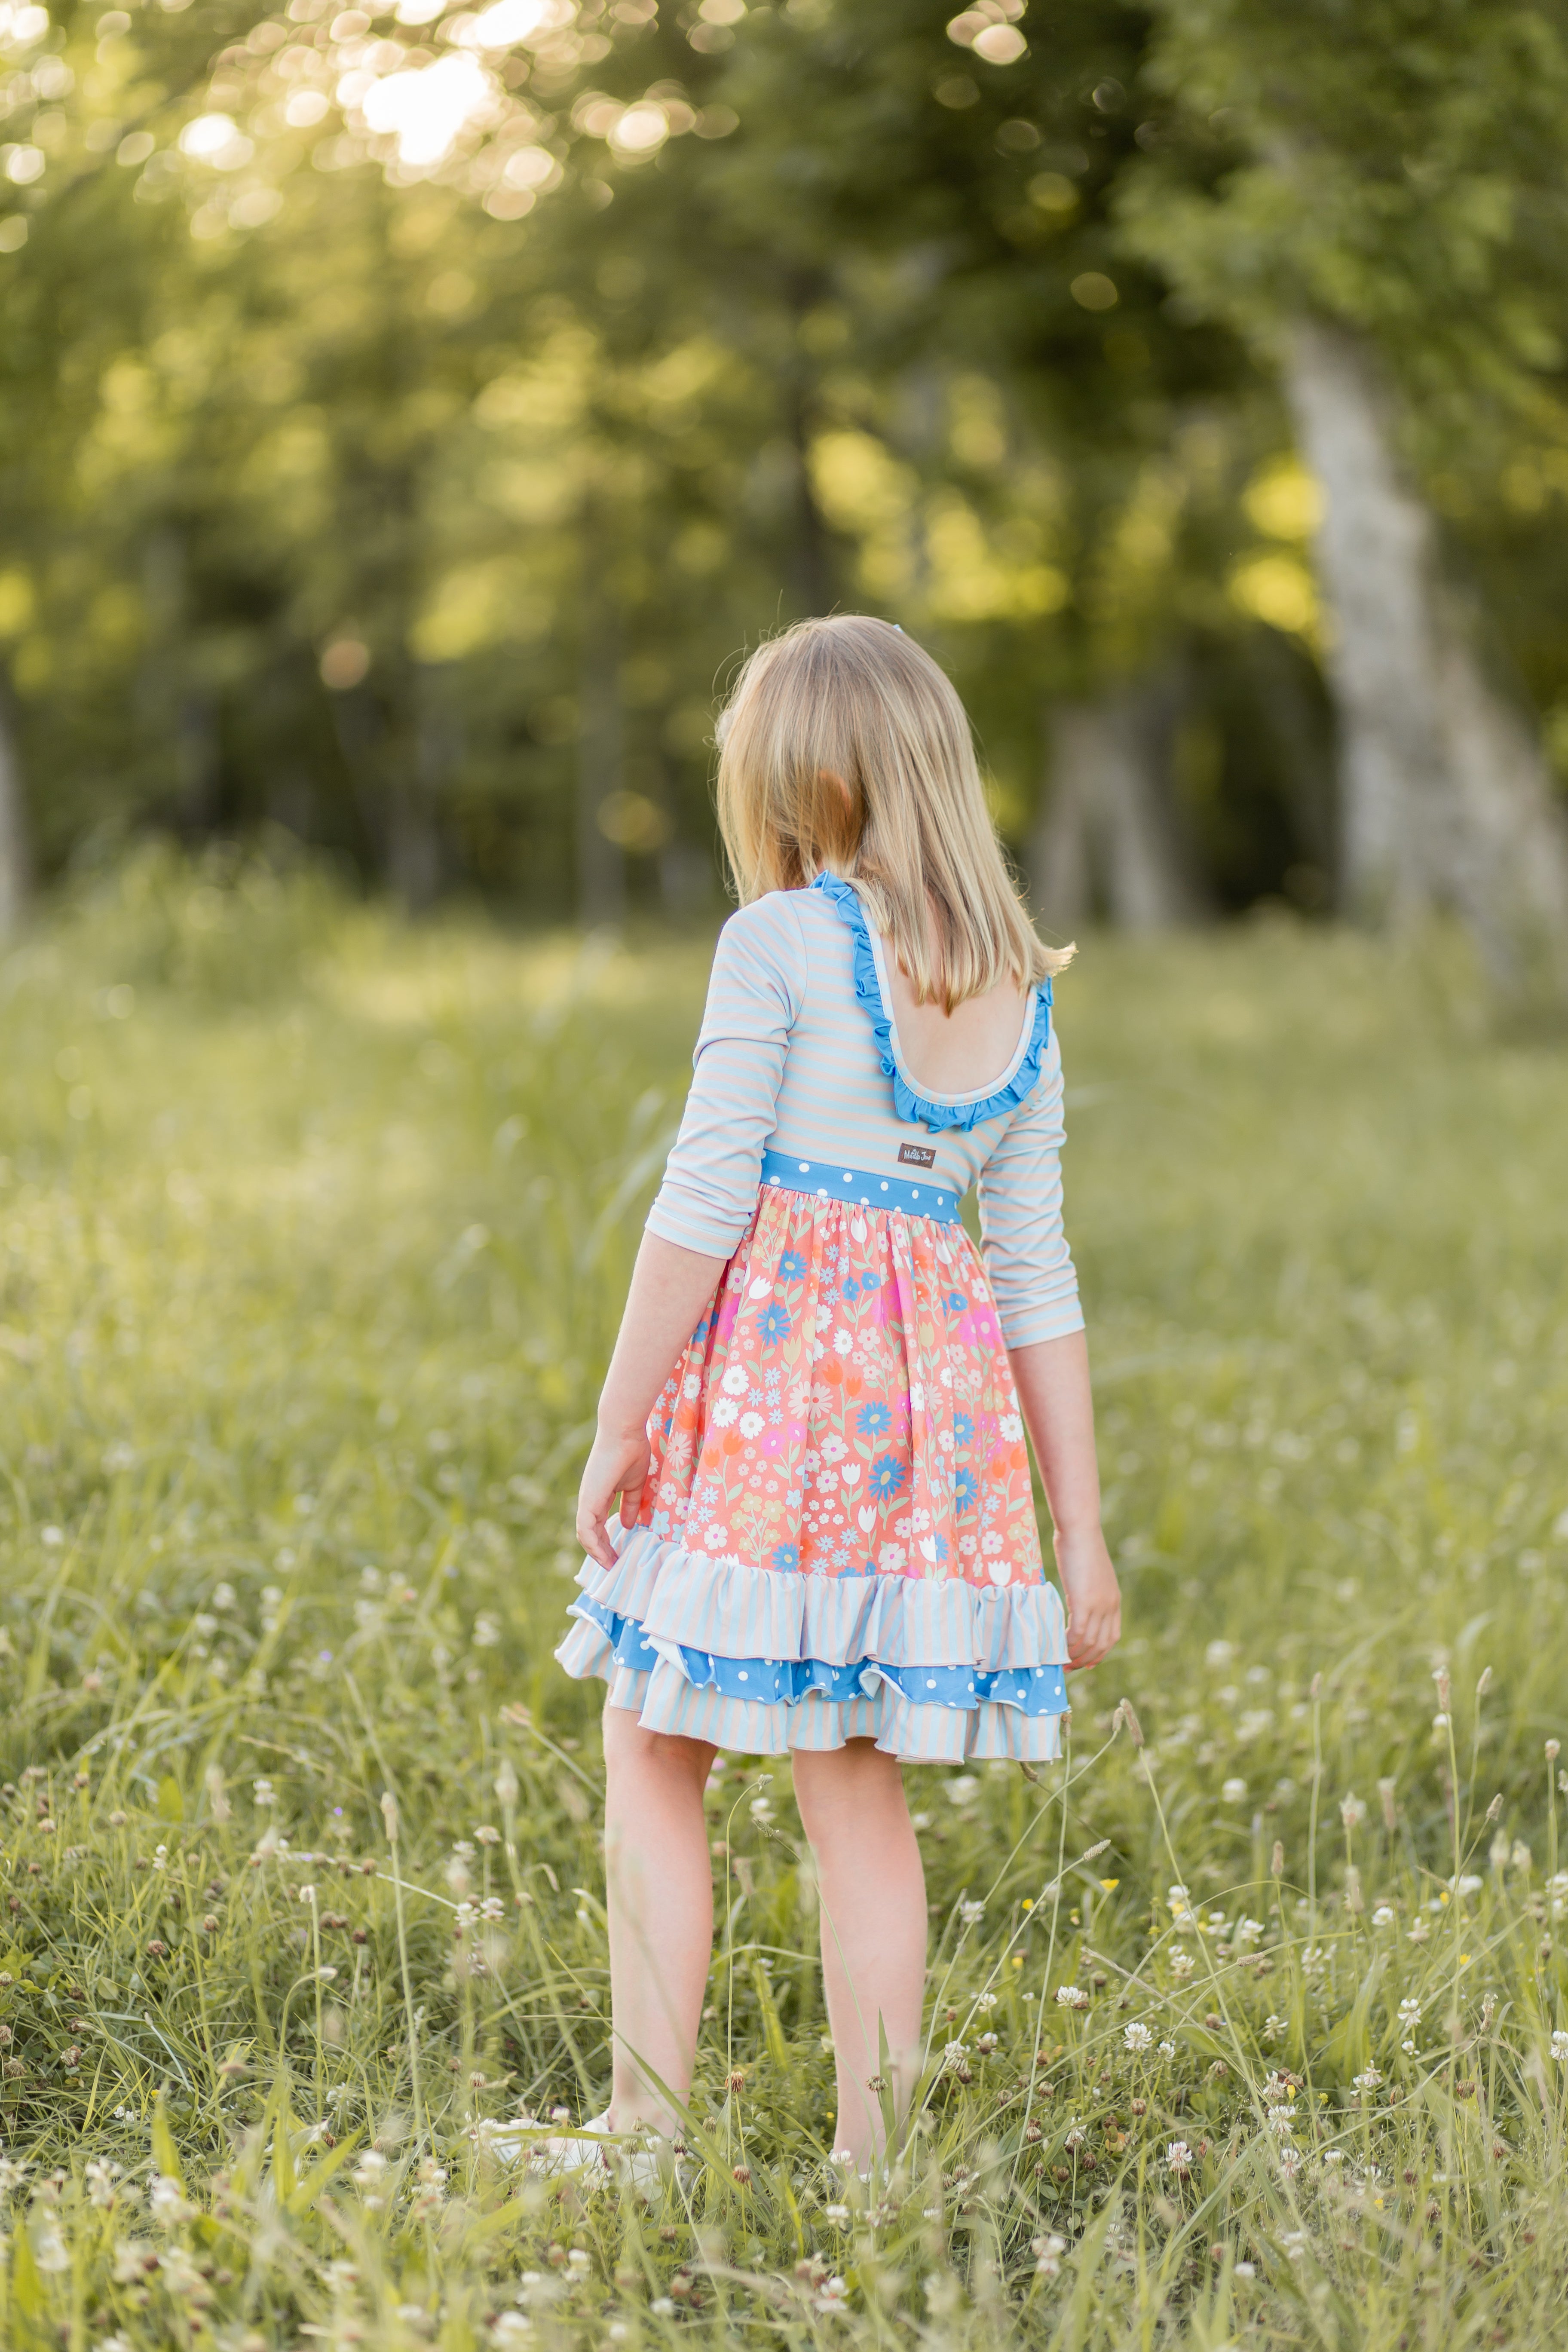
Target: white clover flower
[(1409, 2010), (1167, 2048), (170, 2205), (100, 2177), (1071, 1997), (985, 2001), (1369, 2080), (1248, 1931), (1353, 1811), (12, 2176), (1560, 2047), (1234, 1792), (1283, 2120), (954, 2053), (1137, 2037), (969, 1911), (492, 1908), (1273, 2027), (1383, 1917), (1048, 2253), (1182, 1964), (1178, 2158), (370, 2168), (264, 1793)]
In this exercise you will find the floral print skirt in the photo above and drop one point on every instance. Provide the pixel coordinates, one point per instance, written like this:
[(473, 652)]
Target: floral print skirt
[(838, 1536)]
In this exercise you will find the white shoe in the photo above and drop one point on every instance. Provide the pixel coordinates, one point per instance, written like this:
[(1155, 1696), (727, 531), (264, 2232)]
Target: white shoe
[(597, 2151)]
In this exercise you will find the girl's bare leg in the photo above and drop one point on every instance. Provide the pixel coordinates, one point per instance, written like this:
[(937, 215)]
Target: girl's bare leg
[(873, 1893), (660, 1891)]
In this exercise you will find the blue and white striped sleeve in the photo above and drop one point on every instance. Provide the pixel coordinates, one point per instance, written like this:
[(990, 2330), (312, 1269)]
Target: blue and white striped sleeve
[(1027, 1260), (709, 1187)]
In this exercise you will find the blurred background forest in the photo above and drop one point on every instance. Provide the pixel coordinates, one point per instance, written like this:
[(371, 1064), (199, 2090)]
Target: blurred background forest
[(408, 412)]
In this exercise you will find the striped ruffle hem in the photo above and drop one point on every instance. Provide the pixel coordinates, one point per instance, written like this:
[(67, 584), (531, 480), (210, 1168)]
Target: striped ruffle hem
[(935, 1669)]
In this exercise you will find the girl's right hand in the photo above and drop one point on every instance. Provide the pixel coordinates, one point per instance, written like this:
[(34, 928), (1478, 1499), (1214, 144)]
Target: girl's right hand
[(1093, 1595), (616, 1468)]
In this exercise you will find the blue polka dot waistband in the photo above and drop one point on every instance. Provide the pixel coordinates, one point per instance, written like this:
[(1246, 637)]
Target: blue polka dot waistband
[(828, 1179)]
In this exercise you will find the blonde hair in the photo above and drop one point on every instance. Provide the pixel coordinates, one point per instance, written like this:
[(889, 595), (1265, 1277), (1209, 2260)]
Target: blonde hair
[(852, 702)]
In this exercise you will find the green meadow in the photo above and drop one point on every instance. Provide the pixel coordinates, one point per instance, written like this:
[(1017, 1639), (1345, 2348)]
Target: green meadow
[(1248, 2023)]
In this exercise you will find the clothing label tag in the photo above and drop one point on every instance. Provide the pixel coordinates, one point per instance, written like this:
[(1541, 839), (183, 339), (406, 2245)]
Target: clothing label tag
[(916, 1155)]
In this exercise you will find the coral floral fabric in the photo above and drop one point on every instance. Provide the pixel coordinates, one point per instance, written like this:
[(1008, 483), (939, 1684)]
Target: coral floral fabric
[(845, 1408)]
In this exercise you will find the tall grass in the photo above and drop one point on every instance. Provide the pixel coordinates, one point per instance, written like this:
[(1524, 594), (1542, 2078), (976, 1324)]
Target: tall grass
[(1248, 2023)]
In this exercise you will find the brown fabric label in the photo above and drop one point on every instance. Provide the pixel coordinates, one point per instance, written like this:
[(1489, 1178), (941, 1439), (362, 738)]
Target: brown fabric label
[(916, 1155)]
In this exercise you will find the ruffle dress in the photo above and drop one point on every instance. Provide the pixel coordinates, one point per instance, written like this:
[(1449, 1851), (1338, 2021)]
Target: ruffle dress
[(837, 1538)]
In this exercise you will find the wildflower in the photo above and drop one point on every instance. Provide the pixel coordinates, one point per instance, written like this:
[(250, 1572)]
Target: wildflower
[(954, 2053), (985, 2001), (1370, 2081), (1179, 2159), (1248, 1931), (263, 1793), (170, 2206), (1071, 1997), (1048, 2253), (970, 1912), (1283, 2120), (1182, 1964), (1352, 1812), (1294, 2243), (12, 2176), (1383, 1917), (1234, 1792), (133, 2259), (370, 2168), (1468, 1884), (1560, 2047), (1167, 2048), (100, 2178), (1137, 2037), (492, 1908), (1409, 2012), (837, 2214), (1273, 2027), (487, 1835)]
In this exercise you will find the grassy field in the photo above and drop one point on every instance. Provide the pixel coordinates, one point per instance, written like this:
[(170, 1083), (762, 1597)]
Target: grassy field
[(1248, 2024)]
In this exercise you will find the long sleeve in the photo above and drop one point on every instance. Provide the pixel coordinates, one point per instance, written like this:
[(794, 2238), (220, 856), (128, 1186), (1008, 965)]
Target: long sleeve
[(709, 1187), (1026, 1250)]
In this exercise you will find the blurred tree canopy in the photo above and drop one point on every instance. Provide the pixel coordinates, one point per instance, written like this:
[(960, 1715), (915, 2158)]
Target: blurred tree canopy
[(407, 416)]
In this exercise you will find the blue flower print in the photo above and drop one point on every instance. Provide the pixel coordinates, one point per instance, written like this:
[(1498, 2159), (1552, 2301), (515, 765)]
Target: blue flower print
[(792, 1266), (786, 1557), (874, 1419), (942, 1549), (962, 1429), (965, 1486), (851, 1292), (774, 1321), (956, 1302), (888, 1479)]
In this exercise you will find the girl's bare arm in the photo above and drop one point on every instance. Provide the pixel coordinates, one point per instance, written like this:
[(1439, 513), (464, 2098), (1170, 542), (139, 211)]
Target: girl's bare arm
[(1054, 1395), (669, 1289)]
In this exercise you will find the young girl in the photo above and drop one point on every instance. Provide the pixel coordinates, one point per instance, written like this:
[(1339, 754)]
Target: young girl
[(814, 1418)]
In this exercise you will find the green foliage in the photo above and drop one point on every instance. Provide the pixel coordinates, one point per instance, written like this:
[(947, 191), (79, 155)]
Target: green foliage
[(314, 1231)]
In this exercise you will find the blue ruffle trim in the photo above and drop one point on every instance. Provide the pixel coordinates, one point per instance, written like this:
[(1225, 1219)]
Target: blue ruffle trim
[(1036, 1690), (912, 1107)]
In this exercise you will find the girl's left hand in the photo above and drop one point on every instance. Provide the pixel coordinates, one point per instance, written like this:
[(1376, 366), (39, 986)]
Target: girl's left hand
[(617, 1467)]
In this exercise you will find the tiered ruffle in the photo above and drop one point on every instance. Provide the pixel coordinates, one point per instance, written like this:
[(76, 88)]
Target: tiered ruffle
[(935, 1669)]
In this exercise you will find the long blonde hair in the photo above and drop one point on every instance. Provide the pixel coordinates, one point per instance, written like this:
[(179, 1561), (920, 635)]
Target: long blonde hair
[(852, 702)]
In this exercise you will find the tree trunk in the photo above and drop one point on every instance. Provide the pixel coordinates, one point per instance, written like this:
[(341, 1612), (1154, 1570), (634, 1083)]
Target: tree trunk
[(15, 866), (1111, 841), (601, 865), (1446, 797)]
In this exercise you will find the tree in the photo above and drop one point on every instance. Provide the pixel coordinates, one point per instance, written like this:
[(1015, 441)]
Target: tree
[(1384, 227)]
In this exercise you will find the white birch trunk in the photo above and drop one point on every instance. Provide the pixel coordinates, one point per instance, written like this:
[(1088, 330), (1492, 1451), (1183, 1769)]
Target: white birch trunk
[(1445, 798), (15, 866), (1109, 840)]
